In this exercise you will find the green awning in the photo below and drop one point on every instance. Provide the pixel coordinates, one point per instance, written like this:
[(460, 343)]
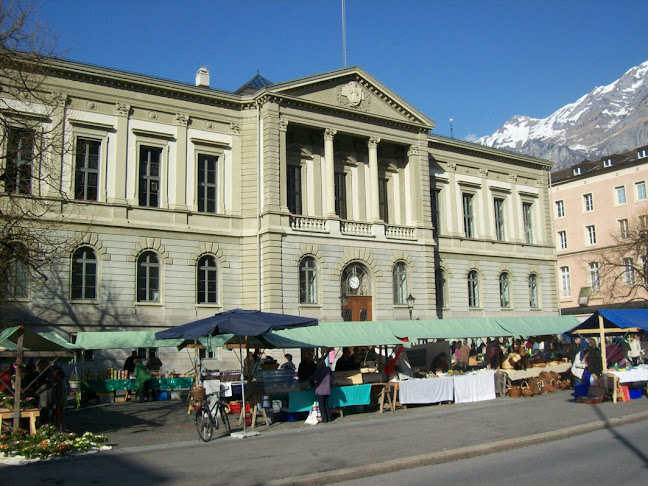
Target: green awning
[(538, 326), (33, 341), (137, 339), (447, 328), (334, 334)]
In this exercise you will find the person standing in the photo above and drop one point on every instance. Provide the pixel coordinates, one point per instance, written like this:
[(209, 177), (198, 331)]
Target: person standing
[(464, 355), (129, 364), (288, 365), (306, 368), (45, 391), (142, 380), (60, 398), (154, 364), (322, 381), (634, 351)]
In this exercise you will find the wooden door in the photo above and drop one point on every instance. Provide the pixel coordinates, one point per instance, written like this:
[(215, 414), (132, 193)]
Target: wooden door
[(358, 308)]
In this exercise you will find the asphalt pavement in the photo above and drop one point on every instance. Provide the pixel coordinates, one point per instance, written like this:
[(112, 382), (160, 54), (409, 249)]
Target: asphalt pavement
[(157, 443)]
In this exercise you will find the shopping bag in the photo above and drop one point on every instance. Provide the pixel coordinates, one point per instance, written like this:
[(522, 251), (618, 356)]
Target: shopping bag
[(312, 418)]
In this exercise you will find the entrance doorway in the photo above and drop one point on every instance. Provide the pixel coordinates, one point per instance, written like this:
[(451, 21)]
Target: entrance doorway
[(356, 293), (358, 308)]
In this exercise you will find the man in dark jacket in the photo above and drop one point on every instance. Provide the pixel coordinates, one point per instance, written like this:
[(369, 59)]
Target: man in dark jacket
[(322, 381)]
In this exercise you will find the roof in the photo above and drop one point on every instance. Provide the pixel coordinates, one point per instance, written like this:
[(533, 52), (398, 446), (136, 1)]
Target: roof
[(34, 344), (253, 85), (137, 339), (621, 319), (590, 168)]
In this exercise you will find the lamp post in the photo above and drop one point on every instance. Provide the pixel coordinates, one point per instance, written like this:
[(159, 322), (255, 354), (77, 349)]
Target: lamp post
[(410, 304)]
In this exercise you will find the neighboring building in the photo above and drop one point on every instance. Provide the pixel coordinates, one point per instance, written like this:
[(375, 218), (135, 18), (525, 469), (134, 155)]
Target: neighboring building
[(595, 206), (325, 196)]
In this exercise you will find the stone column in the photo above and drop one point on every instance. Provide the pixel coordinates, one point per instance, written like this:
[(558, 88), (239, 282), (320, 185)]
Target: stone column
[(374, 209), (118, 173), (414, 199), (517, 231), (283, 182), (180, 175), (455, 220), (329, 162), (487, 206)]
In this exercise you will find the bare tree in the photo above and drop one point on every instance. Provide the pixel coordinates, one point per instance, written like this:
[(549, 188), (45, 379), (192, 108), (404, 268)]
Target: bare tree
[(623, 266), (32, 145)]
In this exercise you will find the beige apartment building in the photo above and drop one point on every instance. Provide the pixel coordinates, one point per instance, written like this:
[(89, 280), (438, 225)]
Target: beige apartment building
[(325, 196), (596, 205)]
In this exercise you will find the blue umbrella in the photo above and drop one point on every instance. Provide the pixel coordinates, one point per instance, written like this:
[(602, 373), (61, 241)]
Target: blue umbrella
[(239, 322)]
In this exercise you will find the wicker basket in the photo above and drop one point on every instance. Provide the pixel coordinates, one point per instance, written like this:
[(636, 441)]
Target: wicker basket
[(515, 391), (198, 394), (526, 390)]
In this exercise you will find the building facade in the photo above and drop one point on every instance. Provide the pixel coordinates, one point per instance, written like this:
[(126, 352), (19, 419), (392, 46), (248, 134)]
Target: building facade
[(597, 207), (325, 196)]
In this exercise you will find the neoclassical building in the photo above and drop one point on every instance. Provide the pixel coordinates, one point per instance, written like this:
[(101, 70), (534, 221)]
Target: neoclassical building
[(325, 196)]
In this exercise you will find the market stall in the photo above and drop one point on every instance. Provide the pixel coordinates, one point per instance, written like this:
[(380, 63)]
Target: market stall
[(475, 386), (426, 390)]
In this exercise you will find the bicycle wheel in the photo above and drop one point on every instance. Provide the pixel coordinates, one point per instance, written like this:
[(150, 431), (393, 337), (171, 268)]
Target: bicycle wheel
[(224, 418), (204, 425)]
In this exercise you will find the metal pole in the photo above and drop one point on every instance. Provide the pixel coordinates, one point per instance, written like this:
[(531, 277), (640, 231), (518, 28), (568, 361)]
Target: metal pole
[(18, 384), (343, 36)]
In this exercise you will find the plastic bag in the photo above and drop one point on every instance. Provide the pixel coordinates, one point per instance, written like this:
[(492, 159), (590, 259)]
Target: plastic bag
[(313, 418)]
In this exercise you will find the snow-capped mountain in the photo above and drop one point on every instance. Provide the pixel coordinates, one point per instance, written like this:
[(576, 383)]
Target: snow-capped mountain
[(608, 120)]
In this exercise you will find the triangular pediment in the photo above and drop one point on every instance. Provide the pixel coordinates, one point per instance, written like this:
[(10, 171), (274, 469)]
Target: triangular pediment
[(352, 90)]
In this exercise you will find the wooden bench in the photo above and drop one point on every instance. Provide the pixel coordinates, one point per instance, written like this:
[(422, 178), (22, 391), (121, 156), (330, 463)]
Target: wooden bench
[(32, 415)]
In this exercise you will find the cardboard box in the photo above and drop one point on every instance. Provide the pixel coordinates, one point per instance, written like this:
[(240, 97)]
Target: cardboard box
[(346, 378)]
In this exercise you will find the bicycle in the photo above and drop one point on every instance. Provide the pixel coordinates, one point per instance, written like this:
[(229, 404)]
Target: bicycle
[(207, 418)]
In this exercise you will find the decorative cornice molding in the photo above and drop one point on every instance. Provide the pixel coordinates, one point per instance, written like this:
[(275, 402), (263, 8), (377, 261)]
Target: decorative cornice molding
[(483, 172), (373, 142), (150, 244), (235, 129), (283, 125), (329, 133), (211, 249), (181, 119), (122, 109)]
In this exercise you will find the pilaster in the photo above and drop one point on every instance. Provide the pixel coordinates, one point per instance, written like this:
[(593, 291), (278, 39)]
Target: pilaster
[(118, 173), (374, 209), (329, 162), (179, 194)]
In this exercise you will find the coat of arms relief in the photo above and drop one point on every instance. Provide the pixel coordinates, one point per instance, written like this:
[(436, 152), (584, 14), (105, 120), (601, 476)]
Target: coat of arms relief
[(353, 95)]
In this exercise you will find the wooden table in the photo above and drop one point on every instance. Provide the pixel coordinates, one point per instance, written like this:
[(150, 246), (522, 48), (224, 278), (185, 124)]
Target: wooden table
[(31, 414), (390, 392)]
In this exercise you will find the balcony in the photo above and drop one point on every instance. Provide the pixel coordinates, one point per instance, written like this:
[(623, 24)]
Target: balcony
[(356, 229), (300, 223), (400, 232)]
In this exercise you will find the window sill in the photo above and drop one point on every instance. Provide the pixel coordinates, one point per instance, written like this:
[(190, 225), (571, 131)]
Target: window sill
[(310, 306), (149, 304), (84, 302), (209, 306)]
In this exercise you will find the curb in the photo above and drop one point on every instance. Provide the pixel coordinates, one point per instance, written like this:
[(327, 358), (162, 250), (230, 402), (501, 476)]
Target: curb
[(394, 465)]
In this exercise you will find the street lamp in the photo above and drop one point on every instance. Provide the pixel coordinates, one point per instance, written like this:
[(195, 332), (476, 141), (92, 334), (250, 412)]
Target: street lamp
[(410, 304)]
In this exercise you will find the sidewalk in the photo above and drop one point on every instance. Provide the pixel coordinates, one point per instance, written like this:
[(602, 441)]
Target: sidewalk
[(156, 443)]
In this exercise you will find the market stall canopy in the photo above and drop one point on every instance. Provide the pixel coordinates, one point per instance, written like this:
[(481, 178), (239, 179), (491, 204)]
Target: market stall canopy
[(537, 326), (447, 328), (615, 319), (239, 322), (336, 334), (34, 344), (137, 339)]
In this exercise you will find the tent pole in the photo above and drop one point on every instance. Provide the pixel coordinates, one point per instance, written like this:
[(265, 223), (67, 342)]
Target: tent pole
[(243, 384), (603, 350), (18, 384)]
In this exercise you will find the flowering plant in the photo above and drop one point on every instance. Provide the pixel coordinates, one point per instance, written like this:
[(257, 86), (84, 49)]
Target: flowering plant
[(26, 401), (48, 442)]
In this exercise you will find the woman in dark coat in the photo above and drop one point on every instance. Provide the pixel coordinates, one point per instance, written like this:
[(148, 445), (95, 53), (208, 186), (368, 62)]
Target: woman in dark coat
[(322, 380)]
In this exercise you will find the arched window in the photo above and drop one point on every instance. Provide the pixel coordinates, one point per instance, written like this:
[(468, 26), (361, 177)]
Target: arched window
[(16, 277), (473, 289), (148, 277), (533, 291), (84, 274), (505, 298), (307, 281), (207, 280), (400, 283)]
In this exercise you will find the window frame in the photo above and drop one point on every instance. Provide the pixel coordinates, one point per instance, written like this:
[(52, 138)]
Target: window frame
[(15, 165), (620, 190), (468, 211), (628, 271), (623, 229), (473, 289), (504, 290), (149, 179), (590, 234), (440, 286), (384, 184), (308, 281), (534, 294), (400, 283), (588, 202), (435, 206), (149, 289), (560, 209), (562, 240), (85, 275), (16, 280), (565, 282), (202, 187), (294, 188), (641, 184), (499, 210), (594, 276), (527, 221), (206, 276), (341, 201), (86, 171)]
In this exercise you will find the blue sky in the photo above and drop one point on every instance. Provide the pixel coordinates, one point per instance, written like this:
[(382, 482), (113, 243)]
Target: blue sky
[(478, 62)]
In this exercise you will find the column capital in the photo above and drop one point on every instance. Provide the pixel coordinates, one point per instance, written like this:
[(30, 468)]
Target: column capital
[(181, 119), (413, 151), (373, 142), (329, 133), (483, 172), (122, 109), (283, 125)]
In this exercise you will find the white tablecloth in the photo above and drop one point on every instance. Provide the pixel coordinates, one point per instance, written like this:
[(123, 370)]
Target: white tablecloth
[(474, 387), (635, 374), (427, 390), (530, 372)]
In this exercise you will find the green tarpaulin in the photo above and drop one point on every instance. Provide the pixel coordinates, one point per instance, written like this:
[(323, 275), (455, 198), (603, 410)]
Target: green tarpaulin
[(334, 334), (49, 342), (137, 339)]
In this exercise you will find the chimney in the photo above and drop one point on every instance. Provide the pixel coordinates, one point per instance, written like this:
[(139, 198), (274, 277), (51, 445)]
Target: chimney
[(202, 77)]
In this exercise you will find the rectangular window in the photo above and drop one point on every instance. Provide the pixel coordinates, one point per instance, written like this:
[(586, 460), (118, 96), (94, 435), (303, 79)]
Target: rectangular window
[(565, 282), (642, 154), (623, 228), (588, 201), (628, 265), (560, 209), (383, 204), (207, 183), (620, 195), (499, 219), (527, 217), (294, 189), (640, 188), (591, 234), (595, 281), (577, 171), (86, 174), (20, 154), (436, 210), (469, 228), (340, 195), (149, 176), (643, 222), (607, 163), (562, 240)]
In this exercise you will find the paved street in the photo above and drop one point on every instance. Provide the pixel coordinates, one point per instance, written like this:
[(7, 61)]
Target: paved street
[(156, 443)]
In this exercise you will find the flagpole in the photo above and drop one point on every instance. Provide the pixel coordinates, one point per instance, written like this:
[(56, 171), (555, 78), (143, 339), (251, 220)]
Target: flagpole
[(343, 36)]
